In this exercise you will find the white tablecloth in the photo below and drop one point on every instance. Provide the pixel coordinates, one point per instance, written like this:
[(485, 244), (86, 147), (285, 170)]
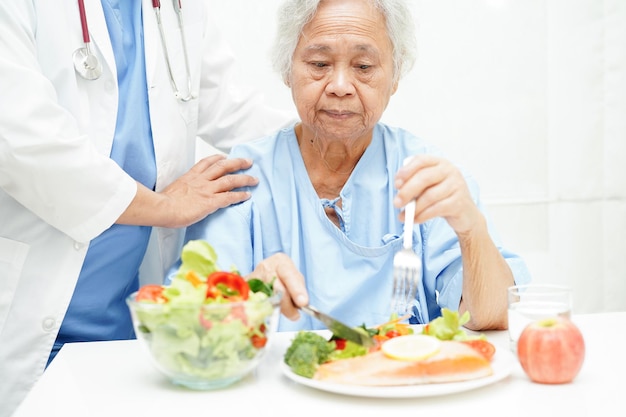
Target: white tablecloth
[(118, 379)]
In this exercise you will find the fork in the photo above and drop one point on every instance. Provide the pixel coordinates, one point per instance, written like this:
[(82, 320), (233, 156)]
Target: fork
[(407, 268)]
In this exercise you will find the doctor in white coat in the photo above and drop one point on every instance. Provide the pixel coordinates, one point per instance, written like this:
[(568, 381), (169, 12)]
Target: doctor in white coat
[(60, 188)]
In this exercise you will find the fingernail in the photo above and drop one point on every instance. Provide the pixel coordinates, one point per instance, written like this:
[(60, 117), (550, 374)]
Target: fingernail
[(301, 300)]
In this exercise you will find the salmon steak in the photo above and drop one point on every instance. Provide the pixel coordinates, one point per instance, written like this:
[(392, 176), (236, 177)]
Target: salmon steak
[(454, 362)]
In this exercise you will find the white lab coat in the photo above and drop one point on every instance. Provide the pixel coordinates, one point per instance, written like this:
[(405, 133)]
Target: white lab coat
[(58, 187)]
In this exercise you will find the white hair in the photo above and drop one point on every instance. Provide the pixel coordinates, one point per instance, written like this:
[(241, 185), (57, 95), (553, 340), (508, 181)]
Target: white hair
[(293, 15)]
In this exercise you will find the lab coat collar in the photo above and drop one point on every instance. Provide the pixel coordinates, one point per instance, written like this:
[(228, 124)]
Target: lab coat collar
[(151, 39)]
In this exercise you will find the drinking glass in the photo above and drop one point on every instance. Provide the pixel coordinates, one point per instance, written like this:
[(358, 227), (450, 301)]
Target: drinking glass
[(532, 302)]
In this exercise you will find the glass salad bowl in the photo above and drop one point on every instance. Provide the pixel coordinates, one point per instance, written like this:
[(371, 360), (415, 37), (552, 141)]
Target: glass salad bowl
[(201, 340)]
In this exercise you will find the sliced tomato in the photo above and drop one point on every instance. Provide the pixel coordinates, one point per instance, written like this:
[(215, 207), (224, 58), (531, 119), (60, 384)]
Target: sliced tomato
[(258, 341), (340, 344), (259, 338), (151, 292), (229, 284), (238, 312), (393, 333), (207, 324), (213, 292), (482, 346)]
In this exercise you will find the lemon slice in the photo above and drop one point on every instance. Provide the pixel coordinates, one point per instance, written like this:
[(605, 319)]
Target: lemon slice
[(412, 347)]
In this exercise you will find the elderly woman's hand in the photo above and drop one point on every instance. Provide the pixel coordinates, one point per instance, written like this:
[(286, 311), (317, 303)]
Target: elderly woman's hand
[(440, 190), (289, 281)]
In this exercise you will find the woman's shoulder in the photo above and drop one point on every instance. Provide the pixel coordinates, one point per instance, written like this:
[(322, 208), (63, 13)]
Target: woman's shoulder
[(405, 141), (264, 146)]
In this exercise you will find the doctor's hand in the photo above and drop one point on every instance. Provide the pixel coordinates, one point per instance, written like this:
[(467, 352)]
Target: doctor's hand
[(287, 280), (205, 188)]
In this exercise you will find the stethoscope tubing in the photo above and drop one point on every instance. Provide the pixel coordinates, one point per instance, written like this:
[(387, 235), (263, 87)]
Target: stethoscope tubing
[(86, 63), (156, 6), (88, 66), (83, 21)]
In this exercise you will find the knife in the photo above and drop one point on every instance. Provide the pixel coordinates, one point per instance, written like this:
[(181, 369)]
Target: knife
[(340, 330)]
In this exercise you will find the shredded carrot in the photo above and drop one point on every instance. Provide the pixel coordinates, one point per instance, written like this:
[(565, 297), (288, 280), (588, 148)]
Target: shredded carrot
[(396, 320), (193, 278)]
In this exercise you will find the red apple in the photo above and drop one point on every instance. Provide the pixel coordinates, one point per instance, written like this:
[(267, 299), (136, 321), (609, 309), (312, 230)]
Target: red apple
[(551, 351)]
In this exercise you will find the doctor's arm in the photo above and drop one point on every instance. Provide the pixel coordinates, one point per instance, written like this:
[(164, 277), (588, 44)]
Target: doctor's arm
[(209, 185)]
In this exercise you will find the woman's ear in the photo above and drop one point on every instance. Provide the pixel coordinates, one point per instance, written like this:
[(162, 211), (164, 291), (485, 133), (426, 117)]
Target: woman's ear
[(288, 78), (395, 87)]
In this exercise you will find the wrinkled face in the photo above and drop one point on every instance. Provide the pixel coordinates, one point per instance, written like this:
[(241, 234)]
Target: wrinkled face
[(342, 72)]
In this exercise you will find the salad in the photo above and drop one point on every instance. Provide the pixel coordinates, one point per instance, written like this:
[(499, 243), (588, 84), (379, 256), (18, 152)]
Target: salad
[(207, 324), (308, 349)]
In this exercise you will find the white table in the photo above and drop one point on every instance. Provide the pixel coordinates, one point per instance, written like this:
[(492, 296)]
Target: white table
[(117, 379)]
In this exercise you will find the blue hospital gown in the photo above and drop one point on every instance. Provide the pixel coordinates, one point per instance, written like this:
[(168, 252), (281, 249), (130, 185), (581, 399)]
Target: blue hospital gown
[(348, 271)]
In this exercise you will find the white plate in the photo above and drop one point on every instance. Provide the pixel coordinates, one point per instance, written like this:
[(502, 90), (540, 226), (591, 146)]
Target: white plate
[(502, 365)]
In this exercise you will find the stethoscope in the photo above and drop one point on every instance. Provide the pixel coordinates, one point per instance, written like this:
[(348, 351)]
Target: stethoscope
[(88, 66)]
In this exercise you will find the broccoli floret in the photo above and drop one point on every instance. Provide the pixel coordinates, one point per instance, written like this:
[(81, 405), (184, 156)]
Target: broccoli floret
[(306, 352)]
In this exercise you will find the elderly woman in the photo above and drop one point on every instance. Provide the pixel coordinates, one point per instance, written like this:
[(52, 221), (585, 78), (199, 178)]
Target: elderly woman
[(326, 218)]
